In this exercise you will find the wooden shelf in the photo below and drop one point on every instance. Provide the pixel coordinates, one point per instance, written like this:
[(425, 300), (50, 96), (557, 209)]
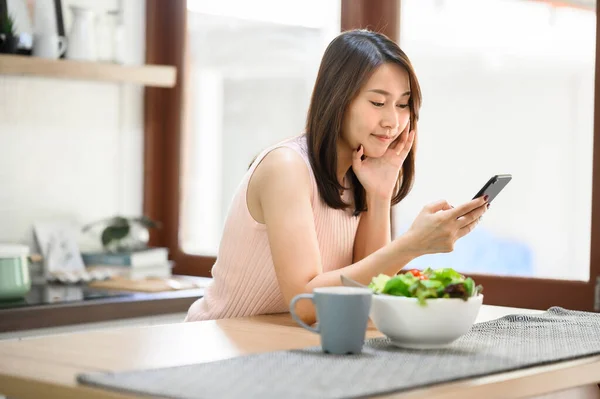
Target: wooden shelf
[(147, 75)]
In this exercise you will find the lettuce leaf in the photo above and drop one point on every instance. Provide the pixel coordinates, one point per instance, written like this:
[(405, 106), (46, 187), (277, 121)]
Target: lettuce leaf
[(469, 286), (424, 289), (399, 285), (378, 283), (446, 276)]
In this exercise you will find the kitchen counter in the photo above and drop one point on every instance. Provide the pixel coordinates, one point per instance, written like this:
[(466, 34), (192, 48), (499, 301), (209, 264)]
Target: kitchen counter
[(53, 305)]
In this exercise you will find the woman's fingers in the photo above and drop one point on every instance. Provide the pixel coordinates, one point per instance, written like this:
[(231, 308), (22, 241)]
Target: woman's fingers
[(357, 158), (441, 205), (408, 145), (404, 143), (467, 207), (471, 217), (463, 231)]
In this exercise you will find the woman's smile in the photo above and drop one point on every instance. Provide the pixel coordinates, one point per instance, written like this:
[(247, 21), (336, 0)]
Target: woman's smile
[(384, 138)]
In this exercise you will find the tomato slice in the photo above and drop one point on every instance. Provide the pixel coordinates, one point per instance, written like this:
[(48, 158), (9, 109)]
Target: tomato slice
[(415, 272)]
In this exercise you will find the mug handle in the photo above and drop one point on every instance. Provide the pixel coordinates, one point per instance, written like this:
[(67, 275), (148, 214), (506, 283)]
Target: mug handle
[(62, 45), (295, 316)]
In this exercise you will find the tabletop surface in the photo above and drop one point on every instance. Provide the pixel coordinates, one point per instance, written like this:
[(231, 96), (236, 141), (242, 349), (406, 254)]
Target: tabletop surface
[(49, 365)]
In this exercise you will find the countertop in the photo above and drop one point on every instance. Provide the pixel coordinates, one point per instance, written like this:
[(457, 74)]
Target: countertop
[(53, 305)]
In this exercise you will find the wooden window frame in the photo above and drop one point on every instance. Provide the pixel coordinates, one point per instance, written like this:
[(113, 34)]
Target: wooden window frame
[(164, 129)]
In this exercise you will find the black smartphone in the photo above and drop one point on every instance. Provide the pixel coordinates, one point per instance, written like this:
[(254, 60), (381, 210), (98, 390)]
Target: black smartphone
[(493, 187)]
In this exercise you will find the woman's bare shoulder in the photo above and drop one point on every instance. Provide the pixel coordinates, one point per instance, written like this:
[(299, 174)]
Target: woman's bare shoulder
[(283, 166), (280, 181)]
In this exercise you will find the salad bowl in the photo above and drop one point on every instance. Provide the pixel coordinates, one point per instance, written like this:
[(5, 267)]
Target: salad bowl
[(425, 310)]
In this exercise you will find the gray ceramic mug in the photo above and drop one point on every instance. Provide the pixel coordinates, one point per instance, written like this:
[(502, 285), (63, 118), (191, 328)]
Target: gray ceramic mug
[(342, 317)]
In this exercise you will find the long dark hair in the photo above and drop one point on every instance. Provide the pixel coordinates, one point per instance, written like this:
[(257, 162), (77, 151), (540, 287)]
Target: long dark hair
[(348, 62)]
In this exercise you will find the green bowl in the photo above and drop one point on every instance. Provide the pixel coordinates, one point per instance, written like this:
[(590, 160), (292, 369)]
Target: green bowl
[(15, 281)]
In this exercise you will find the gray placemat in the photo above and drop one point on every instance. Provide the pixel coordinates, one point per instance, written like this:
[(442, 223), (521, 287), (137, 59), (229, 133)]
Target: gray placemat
[(510, 343)]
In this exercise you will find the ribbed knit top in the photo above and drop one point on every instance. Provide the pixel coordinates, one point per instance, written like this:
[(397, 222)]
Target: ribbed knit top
[(244, 281)]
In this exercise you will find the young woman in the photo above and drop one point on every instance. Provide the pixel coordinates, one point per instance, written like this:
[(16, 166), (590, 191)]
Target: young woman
[(317, 206)]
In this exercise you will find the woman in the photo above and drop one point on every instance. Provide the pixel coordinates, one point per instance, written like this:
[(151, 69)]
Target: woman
[(318, 206)]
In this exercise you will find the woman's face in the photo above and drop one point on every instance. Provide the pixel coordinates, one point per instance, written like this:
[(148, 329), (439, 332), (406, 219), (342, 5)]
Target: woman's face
[(380, 111)]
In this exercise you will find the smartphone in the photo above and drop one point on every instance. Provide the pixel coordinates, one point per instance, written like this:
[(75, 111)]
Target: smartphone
[(493, 187)]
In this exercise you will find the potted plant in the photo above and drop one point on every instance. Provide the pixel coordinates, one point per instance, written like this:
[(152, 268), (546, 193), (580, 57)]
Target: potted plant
[(8, 35), (122, 234)]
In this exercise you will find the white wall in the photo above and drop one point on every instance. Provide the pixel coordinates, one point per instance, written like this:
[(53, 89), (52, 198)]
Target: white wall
[(72, 150)]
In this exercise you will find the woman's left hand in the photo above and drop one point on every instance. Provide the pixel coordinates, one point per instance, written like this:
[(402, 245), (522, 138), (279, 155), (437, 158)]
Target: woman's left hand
[(379, 175)]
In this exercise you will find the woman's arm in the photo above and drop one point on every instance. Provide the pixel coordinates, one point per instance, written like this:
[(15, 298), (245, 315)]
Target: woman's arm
[(282, 184), (378, 177), (283, 187), (374, 228)]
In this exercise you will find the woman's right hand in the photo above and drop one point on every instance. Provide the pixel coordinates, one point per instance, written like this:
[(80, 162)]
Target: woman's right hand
[(437, 227)]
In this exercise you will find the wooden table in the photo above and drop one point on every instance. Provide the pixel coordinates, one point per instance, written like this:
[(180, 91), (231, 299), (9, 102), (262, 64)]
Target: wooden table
[(46, 367)]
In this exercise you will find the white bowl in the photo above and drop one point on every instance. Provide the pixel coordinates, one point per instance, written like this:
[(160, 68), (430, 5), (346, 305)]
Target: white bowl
[(434, 325)]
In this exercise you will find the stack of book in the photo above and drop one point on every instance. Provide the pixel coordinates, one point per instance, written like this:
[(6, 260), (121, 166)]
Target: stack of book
[(150, 262)]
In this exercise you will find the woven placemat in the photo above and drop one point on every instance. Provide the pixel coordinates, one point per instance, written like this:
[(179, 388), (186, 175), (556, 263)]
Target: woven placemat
[(506, 344)]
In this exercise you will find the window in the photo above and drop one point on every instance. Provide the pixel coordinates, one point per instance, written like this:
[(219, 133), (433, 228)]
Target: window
[(250, 76), (508, 91)]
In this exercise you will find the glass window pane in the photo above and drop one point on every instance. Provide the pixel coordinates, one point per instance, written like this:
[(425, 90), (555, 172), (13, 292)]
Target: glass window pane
[(252, 67), (508, 91)]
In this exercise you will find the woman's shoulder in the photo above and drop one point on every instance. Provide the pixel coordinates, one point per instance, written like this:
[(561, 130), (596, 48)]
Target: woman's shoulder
[(296, 143), (284, 168), (285, 156), (283, 164)]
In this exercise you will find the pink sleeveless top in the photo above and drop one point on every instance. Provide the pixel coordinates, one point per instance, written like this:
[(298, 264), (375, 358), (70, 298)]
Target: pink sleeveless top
[(244, 281)]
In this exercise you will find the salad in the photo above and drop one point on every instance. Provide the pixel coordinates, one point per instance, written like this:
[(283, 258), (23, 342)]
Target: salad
[(426, 284)]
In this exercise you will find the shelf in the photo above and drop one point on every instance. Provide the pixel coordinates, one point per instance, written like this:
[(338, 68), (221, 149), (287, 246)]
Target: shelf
[(147, 75)]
